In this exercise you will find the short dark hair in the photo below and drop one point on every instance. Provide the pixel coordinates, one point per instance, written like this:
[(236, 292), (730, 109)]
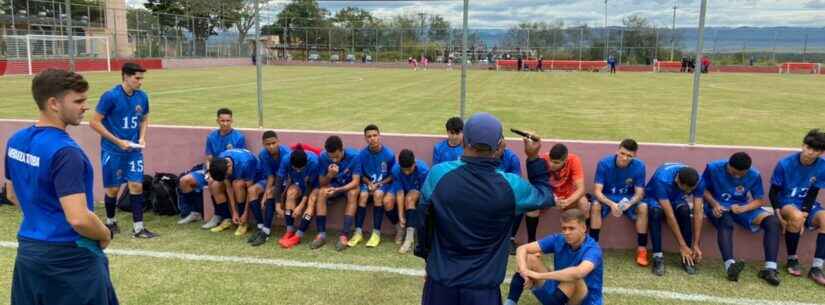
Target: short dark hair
[(298, 158), (371, 127), (688, 176), (740, 161), (630, 145), (54, 83), (130, 69), (815, 139), (406, 158), (558, 152), (454, 125), (217, 169), (573, 214), (224, 111), (333, 144), (269, 134)]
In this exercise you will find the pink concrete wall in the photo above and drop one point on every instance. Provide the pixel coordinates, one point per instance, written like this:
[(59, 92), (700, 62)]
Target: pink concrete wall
[(181, 63), (175, 149)]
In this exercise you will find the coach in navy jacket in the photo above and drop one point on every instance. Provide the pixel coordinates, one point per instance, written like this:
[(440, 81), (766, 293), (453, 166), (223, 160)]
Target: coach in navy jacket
[(466, 214)]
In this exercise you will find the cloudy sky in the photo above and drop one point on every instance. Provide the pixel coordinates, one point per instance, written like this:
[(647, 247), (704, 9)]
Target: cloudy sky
[(505, 13)]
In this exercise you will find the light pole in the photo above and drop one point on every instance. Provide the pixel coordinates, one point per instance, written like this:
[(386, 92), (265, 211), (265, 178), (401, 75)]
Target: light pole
[(673, 32), (606, 33)]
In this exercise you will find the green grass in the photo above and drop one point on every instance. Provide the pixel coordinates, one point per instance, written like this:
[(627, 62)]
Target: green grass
[(735, 109), (142, 280)]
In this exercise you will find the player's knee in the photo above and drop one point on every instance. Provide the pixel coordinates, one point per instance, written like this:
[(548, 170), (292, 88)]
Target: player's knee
[(641, 209), (596, 208), (533, 214), (293, 192), (112, 192)]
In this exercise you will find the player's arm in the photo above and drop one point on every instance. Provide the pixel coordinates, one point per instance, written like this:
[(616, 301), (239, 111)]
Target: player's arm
[(698, 218), (579, 193), (325, 179), (569, 274), (638, 195), (97, 125), (598, 192), (351, 185), (672, 223), (10, 195), (269, 188), (83, 221), (143, 127), (522, 252), (810, 199), (714, 204), (230, 193)]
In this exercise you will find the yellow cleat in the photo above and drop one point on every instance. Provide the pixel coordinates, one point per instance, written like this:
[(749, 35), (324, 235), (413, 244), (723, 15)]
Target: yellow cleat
[(225, 224), (375, 239), (242, 230), (356, 238)]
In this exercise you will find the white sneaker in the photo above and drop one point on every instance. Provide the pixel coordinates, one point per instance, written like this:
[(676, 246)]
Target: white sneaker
[(214, 222), (399, 234), (192, 217)]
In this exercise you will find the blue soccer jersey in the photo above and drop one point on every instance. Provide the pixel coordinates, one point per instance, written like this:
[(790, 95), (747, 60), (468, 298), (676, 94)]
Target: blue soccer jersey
[(566, 257), (306, 178), (244, 164), (796, 179), (443, 152), (510, 162), (618, 183), (347, 167), (376, 166), (267, 165), (729, 190), (414, 181), (122, 115), (217, 143), (662, 186)]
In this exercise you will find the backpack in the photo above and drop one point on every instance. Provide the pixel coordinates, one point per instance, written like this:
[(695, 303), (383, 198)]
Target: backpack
[(165, 192), (3, 198), (148, 196)]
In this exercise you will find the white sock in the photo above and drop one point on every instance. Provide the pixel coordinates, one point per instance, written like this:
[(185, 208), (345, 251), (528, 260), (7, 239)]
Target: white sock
[(790, 257), (818, 262), (265, 230), (138, 226), (658, 254), (260, 226), (110, 221), (728, 263), (358, 231), (510, 302), (771, 265)]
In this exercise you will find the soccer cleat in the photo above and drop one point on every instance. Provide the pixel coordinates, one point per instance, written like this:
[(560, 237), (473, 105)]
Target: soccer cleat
[(225, 224), (794, 268), (734, 270), (290, 242), (817, 276), (356, 238), (254, 236), (145, 234), (690, 269), (405, 248), (260, 239), (214, 222), (399, 234), (286, 236), (318, 242), (375, 240), (341, 245), (242, 229), (771, 276), (641, 257), (192, 217), (659, 266), (513, 246), (113, 228)]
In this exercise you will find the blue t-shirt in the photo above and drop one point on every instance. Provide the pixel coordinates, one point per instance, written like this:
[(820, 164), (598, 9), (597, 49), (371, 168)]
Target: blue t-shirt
[(244, 164), (217, 143), (619, 182), (306, 178), (796, 179), (122, 115), (729, 190), (267, 165), (44, 164), (347, 167), (376, 165), (510, 162), (410, 182), (566, 257), (662, 185), (443, 152)]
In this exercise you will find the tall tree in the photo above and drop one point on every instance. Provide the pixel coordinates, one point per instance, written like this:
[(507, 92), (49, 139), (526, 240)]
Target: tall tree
[(201, 17)]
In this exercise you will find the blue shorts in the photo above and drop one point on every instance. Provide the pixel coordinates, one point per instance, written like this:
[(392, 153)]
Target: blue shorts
[(261, 184), (119, 168), (629, 213), (745, 220), (437, 294), (816, 209), (200, 179), (386, 189), (546, 294)]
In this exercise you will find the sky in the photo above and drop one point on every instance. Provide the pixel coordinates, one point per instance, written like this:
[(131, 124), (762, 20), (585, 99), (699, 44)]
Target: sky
[(506, 13)]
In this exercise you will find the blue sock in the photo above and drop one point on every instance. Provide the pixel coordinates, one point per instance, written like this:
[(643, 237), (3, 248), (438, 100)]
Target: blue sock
[(656, 230), (137, 207), (222, 210), (347, 228), (111, 206), (412, 221), (241, 207), (186, 204), (255, 206), (516, 288), (377, 219), (269, 213), (305, 221), (820, 246), (360, 214), (321, 223), (392, 215)]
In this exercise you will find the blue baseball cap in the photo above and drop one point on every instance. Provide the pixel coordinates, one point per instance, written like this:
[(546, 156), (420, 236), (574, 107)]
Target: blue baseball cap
[(483, 128)]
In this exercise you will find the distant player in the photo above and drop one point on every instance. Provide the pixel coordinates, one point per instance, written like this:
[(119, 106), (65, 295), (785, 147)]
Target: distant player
[(795, 185), (618, 188), (727, 186), (408, 177), (234, 171), (299, 173), (121, 119), (675, 192), (451, 148), (611, 63), (266, 191), (376, 161), (340, 176)]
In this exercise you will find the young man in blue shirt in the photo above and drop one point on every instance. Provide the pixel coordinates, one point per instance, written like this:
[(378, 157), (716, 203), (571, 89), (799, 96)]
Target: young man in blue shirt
[(408, 176), (340, 175), (266, 185), (451, 148), (59, 255), (233, 171), (727, 186), (121, 120), (578, 266), (376, 161), (795, 185), (299, 173)]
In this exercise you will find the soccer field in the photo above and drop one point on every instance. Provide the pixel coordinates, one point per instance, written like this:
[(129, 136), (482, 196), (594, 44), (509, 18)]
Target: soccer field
[(735, 109)]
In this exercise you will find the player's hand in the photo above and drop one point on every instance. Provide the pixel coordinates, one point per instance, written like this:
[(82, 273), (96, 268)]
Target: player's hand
[(142, 142), (371, 187), (737, 209), (782, 223), (531, 148), (697, 254), (717, 211), (236, 219), (268, 194), (528, 283), (616, 210), (332, 170), (105, 243), (687, 255), (279, 209), (123, 145)]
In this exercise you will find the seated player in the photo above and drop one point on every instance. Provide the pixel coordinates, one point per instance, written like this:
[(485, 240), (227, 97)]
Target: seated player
[(578, 269), (667, 195), (340, 175), (618, 188), (234, 171), (267, 184), (376, 162), (727, 185), (452, 148), (408, 176), (795, 185), (299, 173)]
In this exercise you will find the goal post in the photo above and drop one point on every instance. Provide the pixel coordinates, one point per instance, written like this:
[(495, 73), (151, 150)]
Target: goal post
[(800, 67), (30, 54)]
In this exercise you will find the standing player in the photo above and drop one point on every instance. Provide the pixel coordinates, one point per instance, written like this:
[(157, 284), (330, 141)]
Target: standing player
[(727, 185), (667, 195), (121, 119), (408, 176), (267, 184), (299, 173), (340, 175), (451, 148), (611, 63), (234, 172), (376, 162), (619, 187), (59, 255), (795, 185)]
